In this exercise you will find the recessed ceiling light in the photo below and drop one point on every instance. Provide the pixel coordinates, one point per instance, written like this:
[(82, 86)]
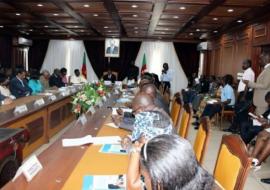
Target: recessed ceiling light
[(215, 18), (76, 26), (191, 34), (82, 30), (46, 26), (39, 5), (86, 5), (215, 31), (55, 14), (109, 31), (31, 30), (95, 14), (1, 26), (182, 8), (18, 14), (134, 6), (230, 10), (106, 27), (135, 15), (176, 17), (163, 32), (136, 28), (239, 21), (56, 30), (198, 30), (166, 28), (136, 32)]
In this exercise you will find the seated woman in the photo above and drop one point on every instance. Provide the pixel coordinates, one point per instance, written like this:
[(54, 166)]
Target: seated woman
[(262, 146), (35, 84), (150, 120), (166, 162), (227, 99)]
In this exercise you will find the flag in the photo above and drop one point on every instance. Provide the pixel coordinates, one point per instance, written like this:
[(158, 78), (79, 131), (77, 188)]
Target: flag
[(84, 71), (143, 69)]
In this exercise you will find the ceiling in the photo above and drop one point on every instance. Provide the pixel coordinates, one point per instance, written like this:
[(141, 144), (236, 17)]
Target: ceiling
[(181, 20)]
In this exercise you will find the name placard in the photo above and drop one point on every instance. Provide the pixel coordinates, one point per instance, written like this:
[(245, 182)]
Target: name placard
[(31, 167), (91, 109), (73, 90), (20, 109), (39, 102), (65, 93), (52, 97)]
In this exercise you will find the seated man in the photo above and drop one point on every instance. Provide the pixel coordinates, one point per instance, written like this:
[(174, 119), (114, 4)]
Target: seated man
[(77, 78), (227, 99), (4, 87), (109, 76), (248, 130), (150, 121), (18, 85), (151, 90), (56, 80)]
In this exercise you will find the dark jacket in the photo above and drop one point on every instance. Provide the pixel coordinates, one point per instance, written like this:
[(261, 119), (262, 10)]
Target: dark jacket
[(18, 89), (55, 80)]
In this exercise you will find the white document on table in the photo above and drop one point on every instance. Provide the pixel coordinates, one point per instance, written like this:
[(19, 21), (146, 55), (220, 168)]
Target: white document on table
[(111, 125), (106, 140), (77, 141), (212, 101)]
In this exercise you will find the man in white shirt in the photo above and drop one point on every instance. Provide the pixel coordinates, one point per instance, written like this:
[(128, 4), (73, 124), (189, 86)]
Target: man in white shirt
[(77, 78), (247, 75), (166, 77)]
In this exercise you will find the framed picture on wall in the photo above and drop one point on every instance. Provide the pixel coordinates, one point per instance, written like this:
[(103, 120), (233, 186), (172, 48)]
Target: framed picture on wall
[(112, 47)]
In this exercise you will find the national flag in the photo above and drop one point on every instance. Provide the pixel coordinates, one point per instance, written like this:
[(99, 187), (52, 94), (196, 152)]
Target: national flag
[(84, 70), (144, 68)]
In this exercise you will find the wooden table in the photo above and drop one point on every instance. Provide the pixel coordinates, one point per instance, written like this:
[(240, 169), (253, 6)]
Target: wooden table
[(59, 162), (42, 122)]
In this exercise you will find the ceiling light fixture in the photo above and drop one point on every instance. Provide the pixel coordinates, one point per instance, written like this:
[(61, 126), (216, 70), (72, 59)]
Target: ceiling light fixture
[(198, 30), (230, 10), (182, 8), (106, 27), (215, 31), (76, 26), (215, 18), (46, 26), (136, 28), (239, 21), (82, 30), (31, 30), (109, 31), (1, 26), (86, 5), (18, 14), (135, 15), (163, 32), (55, 14), (166, 28), (56, 30), (134, 6), (175, 17), (136, 32), (95, 15), (191, 34), (39, 5)]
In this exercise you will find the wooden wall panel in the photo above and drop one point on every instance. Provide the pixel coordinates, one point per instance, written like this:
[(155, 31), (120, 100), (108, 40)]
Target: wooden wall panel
[(260, 34)]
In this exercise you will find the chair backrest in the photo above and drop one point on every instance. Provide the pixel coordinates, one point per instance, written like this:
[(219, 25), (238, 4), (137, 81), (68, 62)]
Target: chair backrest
[(184, 122), (202, 139), (233, 163), (176, 109), (113, 72)]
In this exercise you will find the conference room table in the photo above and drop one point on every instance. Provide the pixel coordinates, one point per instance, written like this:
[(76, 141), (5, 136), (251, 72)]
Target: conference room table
[(64, 167)]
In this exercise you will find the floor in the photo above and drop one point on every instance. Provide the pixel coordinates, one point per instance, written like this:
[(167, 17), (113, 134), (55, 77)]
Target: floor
[(253, 180)]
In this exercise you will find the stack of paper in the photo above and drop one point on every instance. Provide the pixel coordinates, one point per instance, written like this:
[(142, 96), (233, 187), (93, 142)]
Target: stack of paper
[(103, 182), (106, 140), (77, 141)]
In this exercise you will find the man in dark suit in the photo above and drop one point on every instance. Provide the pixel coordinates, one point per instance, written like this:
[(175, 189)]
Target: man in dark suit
[(109, 76), (112, 49), (55, 79), (133, 71), (18, 85)]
